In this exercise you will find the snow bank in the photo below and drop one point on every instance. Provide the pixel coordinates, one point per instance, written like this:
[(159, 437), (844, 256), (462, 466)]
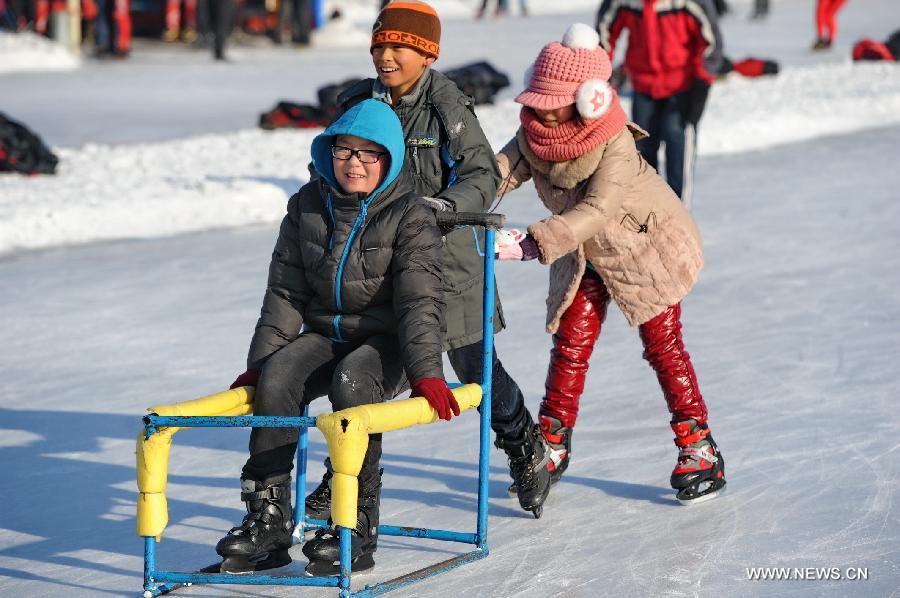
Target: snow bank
[(140, 191), (152, 190), (27, 51), (341, 32)]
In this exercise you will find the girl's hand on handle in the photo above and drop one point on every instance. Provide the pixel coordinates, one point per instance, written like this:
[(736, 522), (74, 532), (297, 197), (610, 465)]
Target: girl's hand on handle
[(513, 244)]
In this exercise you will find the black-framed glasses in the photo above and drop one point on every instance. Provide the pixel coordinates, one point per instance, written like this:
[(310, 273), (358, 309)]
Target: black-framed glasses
[(365, 156)]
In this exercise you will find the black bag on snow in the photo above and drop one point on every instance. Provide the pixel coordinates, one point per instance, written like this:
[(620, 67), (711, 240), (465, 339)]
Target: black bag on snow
[(23, 151), (480, 80), (328, 95), (291, 115), (893, 44), (288, 115)]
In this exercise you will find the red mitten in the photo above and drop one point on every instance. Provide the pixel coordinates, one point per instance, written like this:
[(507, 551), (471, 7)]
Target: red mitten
[(438, 395), (248, 378)]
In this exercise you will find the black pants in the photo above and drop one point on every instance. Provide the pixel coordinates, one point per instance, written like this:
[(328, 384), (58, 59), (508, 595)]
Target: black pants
[(350, 373), (301, 19), (666, 120), (221, 21), (509, 417)]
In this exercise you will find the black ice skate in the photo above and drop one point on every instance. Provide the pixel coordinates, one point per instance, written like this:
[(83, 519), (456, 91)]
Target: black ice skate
[(263, 538), (318, 502), (700, 472), (559, 444), (324, 550), (529, 467)]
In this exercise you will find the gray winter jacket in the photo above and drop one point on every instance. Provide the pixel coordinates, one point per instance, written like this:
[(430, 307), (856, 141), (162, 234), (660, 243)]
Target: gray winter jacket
[(448, 157), (348, 266)]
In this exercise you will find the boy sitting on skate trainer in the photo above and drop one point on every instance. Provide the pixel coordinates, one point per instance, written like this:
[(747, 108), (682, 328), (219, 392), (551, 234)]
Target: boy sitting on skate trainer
[(357, 266)]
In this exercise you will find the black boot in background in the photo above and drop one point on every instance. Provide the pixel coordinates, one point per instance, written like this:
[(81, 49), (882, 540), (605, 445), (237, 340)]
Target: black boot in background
[(263, 538)]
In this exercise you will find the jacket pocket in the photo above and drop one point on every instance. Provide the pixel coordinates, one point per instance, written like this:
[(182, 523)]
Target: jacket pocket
[(463, 258)]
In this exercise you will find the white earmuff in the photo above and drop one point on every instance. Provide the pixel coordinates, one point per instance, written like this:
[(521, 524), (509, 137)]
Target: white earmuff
[(593, 98)]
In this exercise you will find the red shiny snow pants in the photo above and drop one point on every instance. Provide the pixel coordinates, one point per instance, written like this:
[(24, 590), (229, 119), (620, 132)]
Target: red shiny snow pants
[(573, 343)]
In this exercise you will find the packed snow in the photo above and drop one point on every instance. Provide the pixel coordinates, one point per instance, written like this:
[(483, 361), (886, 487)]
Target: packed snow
[(27, 51), (133, 277)]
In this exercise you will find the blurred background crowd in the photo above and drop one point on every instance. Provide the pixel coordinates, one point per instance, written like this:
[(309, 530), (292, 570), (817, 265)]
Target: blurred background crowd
[(105, 28)]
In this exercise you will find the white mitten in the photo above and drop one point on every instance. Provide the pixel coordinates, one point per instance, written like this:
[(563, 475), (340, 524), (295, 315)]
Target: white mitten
[(506, 244)]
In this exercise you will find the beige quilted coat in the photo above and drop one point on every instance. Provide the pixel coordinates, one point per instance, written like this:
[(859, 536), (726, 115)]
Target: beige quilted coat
[(611, 208)]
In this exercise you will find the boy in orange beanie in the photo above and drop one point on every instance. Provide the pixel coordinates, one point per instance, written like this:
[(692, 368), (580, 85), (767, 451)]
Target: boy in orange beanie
[(453, 167)]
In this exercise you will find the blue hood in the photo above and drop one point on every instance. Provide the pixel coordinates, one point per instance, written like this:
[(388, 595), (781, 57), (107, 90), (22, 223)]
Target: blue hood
[(372, 120)]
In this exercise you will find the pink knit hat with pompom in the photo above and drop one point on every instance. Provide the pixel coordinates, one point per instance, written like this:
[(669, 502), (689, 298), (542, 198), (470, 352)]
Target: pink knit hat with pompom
[(575, 71)]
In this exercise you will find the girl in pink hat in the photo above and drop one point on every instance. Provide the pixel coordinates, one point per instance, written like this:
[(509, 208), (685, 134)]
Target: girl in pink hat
[(617, 232)]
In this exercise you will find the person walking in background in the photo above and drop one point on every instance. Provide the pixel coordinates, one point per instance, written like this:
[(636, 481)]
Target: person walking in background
[(760, 9), (498, 12), (671, 58), (221, 21), (174, 30), (502, 8), (617, 232), (112, 28), (826, 22), (42, 16), (301, 20)]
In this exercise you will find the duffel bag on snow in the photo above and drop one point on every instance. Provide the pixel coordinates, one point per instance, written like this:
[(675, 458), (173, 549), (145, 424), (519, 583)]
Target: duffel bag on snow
[(21, 150), (480, 80), (288, 115), (328, 95)]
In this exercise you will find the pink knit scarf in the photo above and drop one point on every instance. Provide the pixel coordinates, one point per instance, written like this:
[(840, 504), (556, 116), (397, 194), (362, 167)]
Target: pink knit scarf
[(572, 138)]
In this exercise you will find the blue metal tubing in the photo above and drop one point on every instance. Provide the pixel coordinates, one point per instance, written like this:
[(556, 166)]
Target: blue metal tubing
[(149, 562), (235, 421), (153, 578), (487, 345), (344, 578), (253, 580), (316, 523), (300, 487), (431, 534), (410, 578)]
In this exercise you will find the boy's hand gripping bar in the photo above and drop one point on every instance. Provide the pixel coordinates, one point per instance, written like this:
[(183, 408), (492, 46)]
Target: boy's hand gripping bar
[(448, 220)]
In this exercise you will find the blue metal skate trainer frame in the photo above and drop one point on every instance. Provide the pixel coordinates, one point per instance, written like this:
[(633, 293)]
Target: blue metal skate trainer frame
[(157, 582)]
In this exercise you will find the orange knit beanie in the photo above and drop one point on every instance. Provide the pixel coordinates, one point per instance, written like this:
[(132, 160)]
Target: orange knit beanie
[(409, 23)]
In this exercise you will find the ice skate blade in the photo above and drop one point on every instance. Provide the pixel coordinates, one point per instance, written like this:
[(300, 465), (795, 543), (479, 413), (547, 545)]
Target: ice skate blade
[(363, 562), (513, 489), (237, 565), (701, 498)]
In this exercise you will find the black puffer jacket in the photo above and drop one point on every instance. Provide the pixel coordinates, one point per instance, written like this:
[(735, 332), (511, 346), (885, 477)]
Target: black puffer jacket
[(348, 266), (450, 158)]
